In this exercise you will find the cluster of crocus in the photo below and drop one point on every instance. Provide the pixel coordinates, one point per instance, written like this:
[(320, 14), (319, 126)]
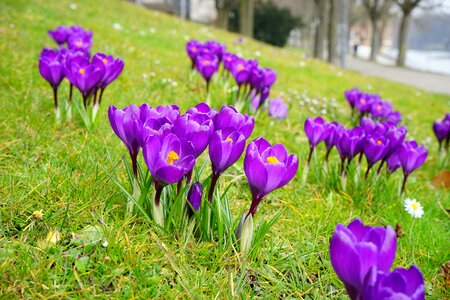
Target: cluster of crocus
[(362, 257), (205, 57), (381, 142), (73, 37), (253, 81), (89, 75), (172, 142), (442, 131), (372, 105)]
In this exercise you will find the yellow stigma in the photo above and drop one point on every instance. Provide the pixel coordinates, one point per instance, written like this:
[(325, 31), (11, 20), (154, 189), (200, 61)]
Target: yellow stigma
[(104, 61), (272, 160), (171, 157), (81, 71), (414, 205), (206, 62), (228, 139), (379, 107), (79, 44), (240, 67), (379, 142)]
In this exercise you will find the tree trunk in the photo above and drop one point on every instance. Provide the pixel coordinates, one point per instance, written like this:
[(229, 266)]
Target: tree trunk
[(246, 12), (403, 39), (374, 42), (332, 32), (222, 18), (320, 28)]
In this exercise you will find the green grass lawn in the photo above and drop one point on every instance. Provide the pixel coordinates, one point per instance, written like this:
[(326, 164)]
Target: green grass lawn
[(60, 170)]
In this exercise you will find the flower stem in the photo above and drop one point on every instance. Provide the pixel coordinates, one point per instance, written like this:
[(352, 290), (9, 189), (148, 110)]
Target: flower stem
[(57, 112), (214, 179), (367, 172), (254, 207), (327, 155), (70, 93), (101, 96), (343, 167), (381, 166), (311, 150), (189, 177), (405, 178), (158, 191), (134, 164)]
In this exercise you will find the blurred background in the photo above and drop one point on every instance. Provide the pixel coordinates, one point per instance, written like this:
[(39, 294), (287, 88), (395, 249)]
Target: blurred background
[(411, 33)]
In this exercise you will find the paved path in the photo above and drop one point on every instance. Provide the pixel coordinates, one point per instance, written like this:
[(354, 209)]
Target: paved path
[(427, 81)]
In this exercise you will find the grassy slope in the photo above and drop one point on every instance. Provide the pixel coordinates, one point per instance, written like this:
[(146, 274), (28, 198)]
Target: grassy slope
[(60, 171)]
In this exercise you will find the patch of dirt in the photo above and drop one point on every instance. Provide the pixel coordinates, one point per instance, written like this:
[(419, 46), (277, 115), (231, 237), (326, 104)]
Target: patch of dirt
[(442, 180)]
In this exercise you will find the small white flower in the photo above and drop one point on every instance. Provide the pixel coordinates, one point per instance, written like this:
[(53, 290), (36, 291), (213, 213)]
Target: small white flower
[(117, 26), (257, 53), (152, 30), (302, 64), (339, 74), (413, 207), (73, 6)]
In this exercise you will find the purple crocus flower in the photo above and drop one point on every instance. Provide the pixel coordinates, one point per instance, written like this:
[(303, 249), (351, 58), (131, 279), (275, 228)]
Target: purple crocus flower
[(51, 68), (155, 121), (241, 71), (216, 48), (334, 136), (168, 158), (76, 42), (352, 96), (394, 117), (194, 197), (196, 128), (351, 143), (278, 109), (398, 284), (193, 49), (202, 108), (207, 65), (411, 157), (254, 103), (375, 148), (368, 125), (228, 60), (60, 34), (225, 148), (267, 168), (122, 123), (396, 136), (257, 78), (84, 76), (393, 162), (364, 102), (356, 248), (229, 117), (113, 68), (442, 131), (381, 109), (317, 131)]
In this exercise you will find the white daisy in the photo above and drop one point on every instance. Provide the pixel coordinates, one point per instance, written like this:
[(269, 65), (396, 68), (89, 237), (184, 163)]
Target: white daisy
[(413, 207)]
